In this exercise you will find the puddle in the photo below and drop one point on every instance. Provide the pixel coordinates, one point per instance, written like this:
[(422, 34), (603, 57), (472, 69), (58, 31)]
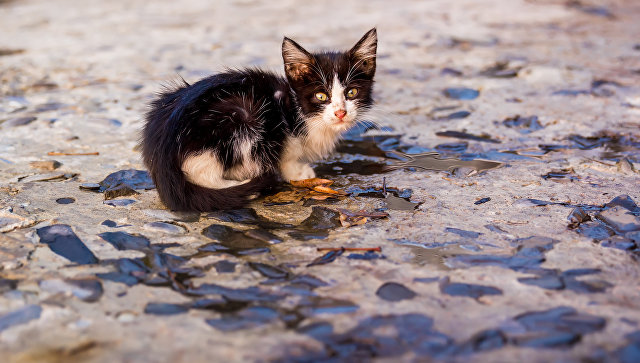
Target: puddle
[(616, 224), (461, 93), (468, 290), (66, 200), (64, 242), (317, 225), (466, 136), (435, 161), (393, 291), (525, 125)]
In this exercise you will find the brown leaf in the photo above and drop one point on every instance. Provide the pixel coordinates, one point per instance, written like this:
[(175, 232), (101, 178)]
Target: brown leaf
[(310, 183), (291, 196), (347, 221), (327, 190)]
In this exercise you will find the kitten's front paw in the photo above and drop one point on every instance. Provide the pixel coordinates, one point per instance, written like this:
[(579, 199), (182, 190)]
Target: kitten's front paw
[(297, 171)]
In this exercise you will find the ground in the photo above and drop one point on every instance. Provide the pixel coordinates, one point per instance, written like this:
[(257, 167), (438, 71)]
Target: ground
[(457, 278)]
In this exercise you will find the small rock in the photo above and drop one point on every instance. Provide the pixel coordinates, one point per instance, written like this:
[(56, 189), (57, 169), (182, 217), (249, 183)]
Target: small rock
[(165, 227), (49, 165), (10, 221), (119, 202)]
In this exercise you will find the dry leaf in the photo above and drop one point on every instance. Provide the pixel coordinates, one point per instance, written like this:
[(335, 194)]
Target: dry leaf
[(347, 221), (327, 190), (310, 183), (291, 196)]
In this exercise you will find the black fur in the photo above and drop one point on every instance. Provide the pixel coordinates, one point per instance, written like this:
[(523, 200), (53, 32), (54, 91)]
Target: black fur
[(213, 114)]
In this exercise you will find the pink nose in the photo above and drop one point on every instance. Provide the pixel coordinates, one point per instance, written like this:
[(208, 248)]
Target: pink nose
[(340, 114)]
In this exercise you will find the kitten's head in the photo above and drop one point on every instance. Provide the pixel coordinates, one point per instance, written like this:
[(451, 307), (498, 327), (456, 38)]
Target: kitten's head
[(332, 88)]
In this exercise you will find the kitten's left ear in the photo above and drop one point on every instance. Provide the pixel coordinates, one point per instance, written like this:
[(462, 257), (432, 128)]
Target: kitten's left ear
[(297, 61), (365, 51)]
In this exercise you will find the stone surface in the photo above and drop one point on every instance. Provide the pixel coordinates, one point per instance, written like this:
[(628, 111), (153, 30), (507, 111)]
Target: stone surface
[(539, 87)]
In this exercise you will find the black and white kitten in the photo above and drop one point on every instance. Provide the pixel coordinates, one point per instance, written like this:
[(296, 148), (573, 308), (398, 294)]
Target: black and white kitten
[(213, 144)]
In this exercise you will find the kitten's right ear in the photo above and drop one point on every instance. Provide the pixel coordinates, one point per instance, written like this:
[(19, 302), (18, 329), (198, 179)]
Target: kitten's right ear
[(297, 61)]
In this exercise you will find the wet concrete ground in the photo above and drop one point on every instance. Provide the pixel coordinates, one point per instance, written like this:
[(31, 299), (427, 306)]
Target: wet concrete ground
[(535, 260)]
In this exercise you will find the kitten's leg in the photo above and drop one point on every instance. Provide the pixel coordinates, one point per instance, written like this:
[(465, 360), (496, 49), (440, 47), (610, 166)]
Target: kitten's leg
[(295, 170), (206, 170)]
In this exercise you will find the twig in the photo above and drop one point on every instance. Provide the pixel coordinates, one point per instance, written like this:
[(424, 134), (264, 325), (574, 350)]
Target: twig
[(58, 153), (366, 249)]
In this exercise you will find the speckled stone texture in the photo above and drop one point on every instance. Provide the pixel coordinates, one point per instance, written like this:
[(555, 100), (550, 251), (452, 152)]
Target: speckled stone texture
[(535, 261)]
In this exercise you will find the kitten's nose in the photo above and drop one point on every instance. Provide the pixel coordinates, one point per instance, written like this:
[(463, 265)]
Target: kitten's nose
[(340, 114)]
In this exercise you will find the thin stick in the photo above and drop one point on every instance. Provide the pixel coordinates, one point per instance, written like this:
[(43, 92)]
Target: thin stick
[(58, 153), (367, 249)]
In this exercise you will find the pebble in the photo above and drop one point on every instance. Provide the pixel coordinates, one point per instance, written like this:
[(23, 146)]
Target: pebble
[(164, 227), (119, 202)]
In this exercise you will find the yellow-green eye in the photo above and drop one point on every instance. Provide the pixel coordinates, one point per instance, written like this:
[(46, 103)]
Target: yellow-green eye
[(321, 96), (352, 93)]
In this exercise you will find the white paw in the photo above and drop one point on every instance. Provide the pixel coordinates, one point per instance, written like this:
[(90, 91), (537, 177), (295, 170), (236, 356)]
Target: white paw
[(297, 171)]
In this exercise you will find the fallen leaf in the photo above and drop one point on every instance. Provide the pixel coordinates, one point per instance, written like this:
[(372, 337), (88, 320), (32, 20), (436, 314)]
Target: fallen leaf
[(348, 221), (310, 183), (290, 196), (327, 190)]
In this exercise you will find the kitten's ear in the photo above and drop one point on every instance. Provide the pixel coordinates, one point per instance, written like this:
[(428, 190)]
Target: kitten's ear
[(365, 51), (297, 61)]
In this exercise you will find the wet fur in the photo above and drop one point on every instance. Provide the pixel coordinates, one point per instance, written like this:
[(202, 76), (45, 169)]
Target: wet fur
[(213, 144)]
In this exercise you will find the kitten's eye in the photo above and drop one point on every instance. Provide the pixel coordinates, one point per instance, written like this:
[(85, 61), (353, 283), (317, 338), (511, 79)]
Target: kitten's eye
[(352, 93), (321, 96)]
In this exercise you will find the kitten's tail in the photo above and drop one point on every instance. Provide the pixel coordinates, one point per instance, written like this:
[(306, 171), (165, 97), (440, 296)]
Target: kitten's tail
[(186, 196)]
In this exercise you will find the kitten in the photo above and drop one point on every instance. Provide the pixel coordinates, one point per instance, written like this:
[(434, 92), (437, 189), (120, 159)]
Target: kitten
[(213, 144)]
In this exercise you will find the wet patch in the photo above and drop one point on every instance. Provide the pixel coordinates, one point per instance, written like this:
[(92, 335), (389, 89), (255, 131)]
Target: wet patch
[(616, 224), (461, 93), (525, 125), (165, 309), (466, 136), (435, 161), (468, 290), (530, 253), (567, 280), (317, 225), (19, 316), (66, 200), (555, 328), (64, 242), (125, 241), (393, 291), (232, 241), (327, 258)]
